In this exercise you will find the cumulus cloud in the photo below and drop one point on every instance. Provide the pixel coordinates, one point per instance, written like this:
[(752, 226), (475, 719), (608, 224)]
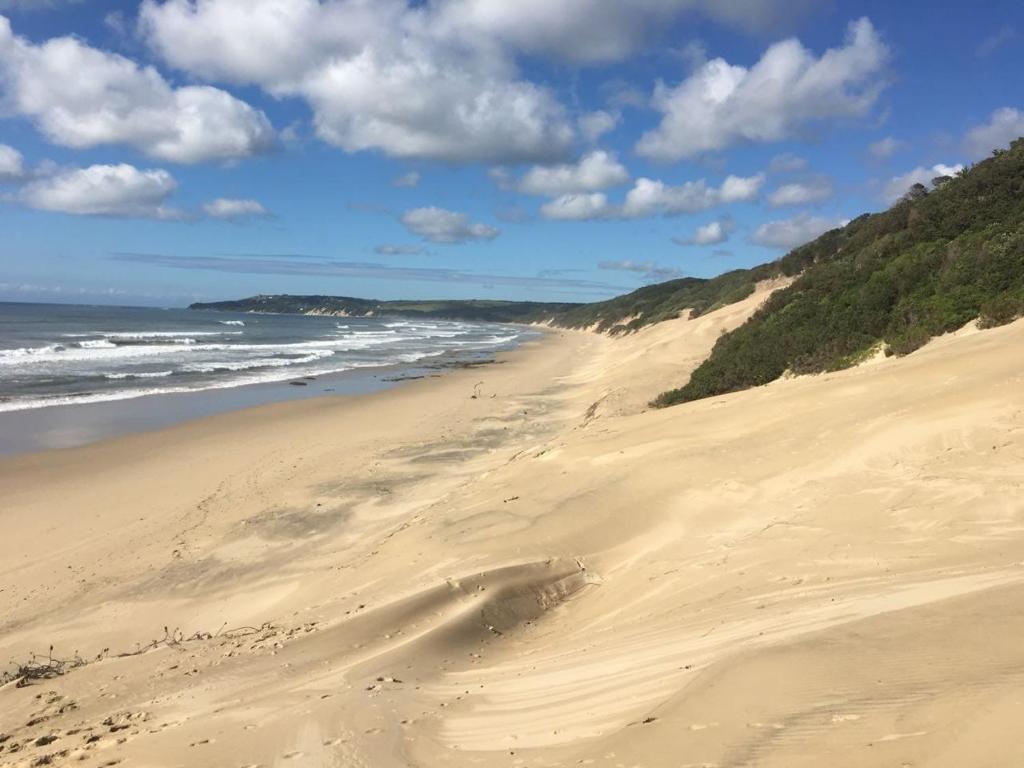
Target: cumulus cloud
[(806, 192), (437, 80), (795, 231), (579, 207), (650, 197), (11, 163), (595, 171), (82, 97), (594, 125), (722, 104), (653, 197), (378, 75), (709, 234), (885, 148), (589, 31), (105, 190), (234, 209), (1003, 126), (449, 227), (407, 180), (897, 186)]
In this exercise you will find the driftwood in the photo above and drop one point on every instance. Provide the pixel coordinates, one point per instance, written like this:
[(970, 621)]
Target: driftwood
[(39, 667)]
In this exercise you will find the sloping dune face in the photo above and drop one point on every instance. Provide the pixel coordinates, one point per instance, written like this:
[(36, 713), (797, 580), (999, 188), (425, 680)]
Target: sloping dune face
[(521, 566)]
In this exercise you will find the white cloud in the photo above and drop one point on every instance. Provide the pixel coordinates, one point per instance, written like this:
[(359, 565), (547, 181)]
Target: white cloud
[(653, 197), (709, 234), (407, 180), (590, 31), (740, 189), (1004, 126), (885, 148), (441, 226), (594, 125), (787, 162), (650, 197), (578, 208), (417, 104), (82, 97), (436, 80), (11, 164), (795, 231), (234, 209), (595, 171), (378, 75), (897, 186), (801, 192), (721, 104), (105, 190)]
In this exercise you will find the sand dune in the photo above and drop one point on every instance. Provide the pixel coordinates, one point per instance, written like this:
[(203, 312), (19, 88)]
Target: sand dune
[(827, 570)]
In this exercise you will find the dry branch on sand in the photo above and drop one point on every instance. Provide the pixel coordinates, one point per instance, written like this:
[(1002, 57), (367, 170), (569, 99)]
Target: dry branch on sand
[(39, 667)]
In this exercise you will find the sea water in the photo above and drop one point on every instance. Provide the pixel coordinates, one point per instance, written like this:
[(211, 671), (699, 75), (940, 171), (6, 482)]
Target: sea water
[(66, 358)]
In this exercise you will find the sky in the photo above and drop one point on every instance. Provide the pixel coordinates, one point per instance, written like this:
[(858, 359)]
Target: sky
[(169, 151)]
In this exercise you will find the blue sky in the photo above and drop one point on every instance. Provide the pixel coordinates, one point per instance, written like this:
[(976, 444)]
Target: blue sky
[(177, 150)]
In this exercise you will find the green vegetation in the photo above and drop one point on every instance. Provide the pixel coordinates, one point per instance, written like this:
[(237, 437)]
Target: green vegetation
[(665, 301), (927, 266)]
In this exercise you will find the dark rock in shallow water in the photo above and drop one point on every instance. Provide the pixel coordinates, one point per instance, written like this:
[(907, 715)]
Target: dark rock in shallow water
[(299, 383)]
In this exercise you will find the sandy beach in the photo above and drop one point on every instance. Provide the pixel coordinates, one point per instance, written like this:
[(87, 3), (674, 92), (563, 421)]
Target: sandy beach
[(523, 565)]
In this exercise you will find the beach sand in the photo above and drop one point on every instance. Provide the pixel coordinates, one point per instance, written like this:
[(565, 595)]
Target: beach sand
[(521, 565)]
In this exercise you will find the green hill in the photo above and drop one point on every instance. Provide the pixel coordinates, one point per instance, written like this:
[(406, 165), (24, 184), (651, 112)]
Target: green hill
[(928, 265), (475, 309), (665, 301)]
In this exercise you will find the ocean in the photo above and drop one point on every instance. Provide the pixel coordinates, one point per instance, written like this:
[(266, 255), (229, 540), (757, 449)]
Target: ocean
[(55, 356)]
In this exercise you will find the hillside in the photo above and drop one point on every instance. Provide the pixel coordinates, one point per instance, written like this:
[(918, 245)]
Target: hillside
[(623, 314), (893, 280), (666, 301), (476, 309)]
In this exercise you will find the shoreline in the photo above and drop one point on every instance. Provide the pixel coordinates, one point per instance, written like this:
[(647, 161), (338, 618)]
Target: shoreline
[(74, 424)]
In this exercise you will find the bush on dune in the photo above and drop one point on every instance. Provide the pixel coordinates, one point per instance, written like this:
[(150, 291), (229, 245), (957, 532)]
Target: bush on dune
[(929, 265)]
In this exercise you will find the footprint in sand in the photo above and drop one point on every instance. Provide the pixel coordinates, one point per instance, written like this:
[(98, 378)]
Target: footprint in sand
[(292, 755)]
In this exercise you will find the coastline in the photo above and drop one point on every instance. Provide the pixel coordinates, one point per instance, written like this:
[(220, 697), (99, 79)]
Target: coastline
[(73, 424), (544, 574)]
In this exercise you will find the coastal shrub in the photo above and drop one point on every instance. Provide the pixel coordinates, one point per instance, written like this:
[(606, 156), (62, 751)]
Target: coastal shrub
[(927, 266)]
